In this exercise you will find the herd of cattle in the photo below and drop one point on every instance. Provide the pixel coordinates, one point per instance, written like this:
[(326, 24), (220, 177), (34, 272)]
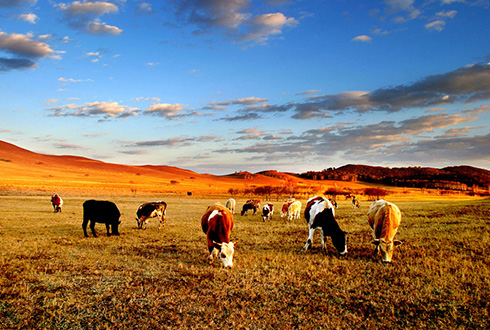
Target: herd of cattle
[(217, 222)]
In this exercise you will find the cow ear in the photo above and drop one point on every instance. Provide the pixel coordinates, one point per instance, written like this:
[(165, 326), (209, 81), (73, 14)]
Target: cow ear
[(234, 244), (217, 245), (375, 242), (397, 243)]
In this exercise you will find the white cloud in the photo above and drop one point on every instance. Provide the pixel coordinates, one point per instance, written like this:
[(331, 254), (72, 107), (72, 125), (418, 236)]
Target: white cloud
[(362, 38), (97, 27), (23, 45), (77, 8), (264, 26), (104, 109), (71, 80), (31, 18), (232, 17), (85, 16)]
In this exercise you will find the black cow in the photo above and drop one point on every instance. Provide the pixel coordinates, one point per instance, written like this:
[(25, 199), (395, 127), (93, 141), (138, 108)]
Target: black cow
[(151, 210), (101, 212), (320, 214)]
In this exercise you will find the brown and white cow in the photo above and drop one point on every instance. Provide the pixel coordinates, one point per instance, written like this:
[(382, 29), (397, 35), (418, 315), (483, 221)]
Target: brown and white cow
[(285, 208), (151, 210), (384, 218), (320, 214), (267, 212), (57, 202), (251, 204), (217, 224)]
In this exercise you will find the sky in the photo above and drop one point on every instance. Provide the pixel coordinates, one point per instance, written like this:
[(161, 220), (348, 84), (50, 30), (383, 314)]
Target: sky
[(218, 86)]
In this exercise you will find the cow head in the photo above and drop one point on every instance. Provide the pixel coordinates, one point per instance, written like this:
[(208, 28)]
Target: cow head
[(340, 242), (141, 223), (226, 251), (386, 248)]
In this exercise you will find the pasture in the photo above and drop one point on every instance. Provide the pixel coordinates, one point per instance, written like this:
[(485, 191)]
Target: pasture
[(51, 277)]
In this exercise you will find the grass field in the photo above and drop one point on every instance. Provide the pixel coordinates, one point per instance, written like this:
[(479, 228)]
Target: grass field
[(53, 278)]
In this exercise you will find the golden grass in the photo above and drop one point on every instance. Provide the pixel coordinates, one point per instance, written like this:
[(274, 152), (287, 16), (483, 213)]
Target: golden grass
[(53, 278)]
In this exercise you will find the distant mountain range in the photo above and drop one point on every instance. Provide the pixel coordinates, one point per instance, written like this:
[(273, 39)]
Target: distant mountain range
[(453, 177)]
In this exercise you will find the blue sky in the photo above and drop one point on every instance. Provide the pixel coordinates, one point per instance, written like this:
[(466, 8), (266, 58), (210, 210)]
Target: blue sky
[(218, 86)]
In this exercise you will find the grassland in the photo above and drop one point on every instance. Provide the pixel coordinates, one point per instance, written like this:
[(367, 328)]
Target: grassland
[(53, 278)]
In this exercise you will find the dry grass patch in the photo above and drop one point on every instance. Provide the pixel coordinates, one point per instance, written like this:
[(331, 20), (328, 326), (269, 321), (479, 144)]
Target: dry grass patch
[(53, 278)]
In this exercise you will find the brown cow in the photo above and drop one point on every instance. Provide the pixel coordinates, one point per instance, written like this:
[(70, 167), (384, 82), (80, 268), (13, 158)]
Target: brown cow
[(384, 218), (217, 224)]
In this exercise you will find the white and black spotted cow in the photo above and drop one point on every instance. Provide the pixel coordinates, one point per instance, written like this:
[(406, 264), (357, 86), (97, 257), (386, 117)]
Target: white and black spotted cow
[(151, 210), (320, 214), (267, 211)]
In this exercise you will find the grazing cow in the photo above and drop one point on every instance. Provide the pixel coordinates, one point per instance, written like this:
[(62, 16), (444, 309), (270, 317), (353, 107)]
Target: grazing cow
[(101, 212), (57, 202), (384, 218), (151, 210), (355, 203), (230, 205), (267, 211), (250, 205), (285, 208), (320, 214), (217, 224), (294, 210)]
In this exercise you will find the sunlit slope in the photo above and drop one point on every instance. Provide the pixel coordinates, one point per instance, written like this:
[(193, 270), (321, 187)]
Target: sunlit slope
[(24, 169)]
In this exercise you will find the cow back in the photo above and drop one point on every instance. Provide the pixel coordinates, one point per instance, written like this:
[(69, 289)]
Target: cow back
[(146, 209), (217, 223), (316, 205), (384, 218), (101, 210)]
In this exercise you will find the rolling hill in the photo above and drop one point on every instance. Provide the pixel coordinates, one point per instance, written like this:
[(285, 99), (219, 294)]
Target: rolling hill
[(24, 170)]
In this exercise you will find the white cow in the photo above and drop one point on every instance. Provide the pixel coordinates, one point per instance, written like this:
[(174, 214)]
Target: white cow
[(230, 205)]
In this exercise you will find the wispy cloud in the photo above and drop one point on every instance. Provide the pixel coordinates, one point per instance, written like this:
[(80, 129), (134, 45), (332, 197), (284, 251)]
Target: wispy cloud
[(382, 141), (16, 3), (464, 85), (144, 8), (438, 25), (182, 141), (66, 81), (94, 109), (170, 111)]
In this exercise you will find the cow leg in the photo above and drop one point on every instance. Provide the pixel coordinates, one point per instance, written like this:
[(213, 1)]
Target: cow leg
[(213, 253), (323, 241), (108, 226), (92, 228), (84, 226), (162, 222), (309, 242)]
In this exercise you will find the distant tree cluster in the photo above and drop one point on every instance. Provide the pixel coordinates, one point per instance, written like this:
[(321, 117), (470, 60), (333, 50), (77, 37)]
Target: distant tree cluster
[(455, 178)]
